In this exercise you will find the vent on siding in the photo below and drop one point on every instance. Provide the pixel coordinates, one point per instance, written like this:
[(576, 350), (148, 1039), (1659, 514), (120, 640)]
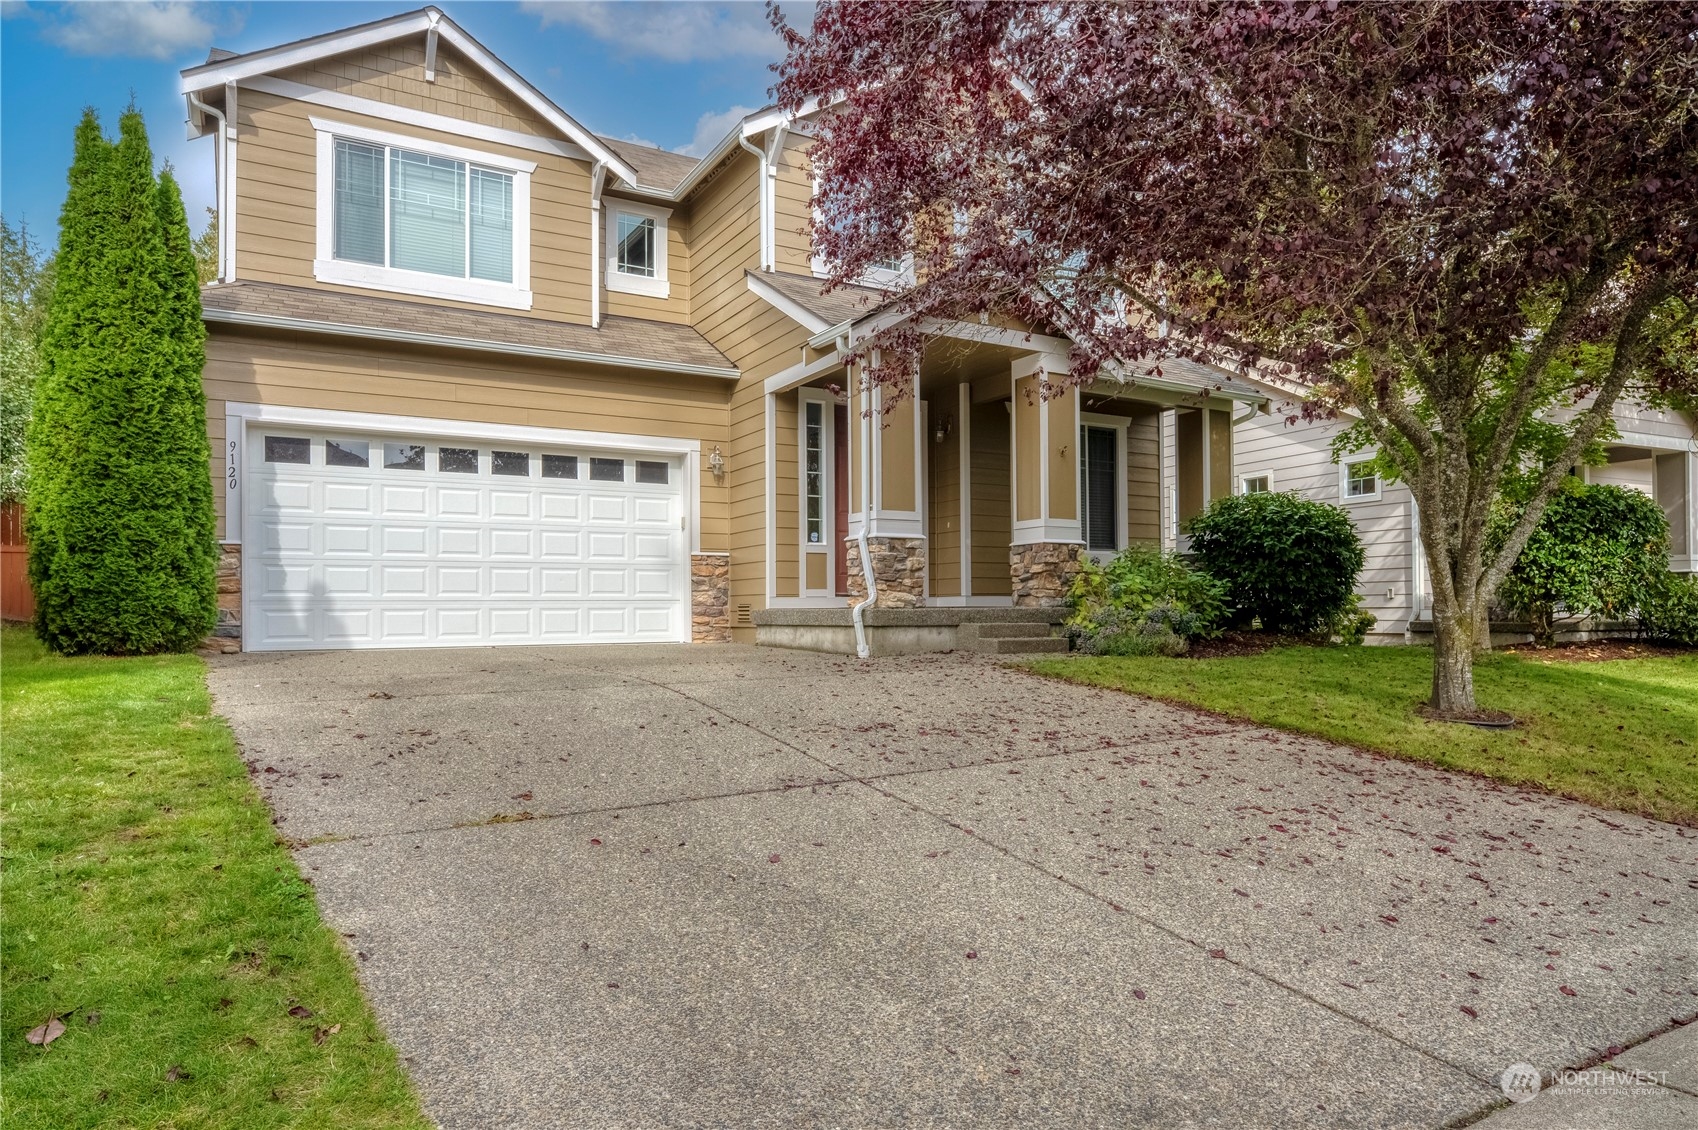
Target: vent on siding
[(743, 614)]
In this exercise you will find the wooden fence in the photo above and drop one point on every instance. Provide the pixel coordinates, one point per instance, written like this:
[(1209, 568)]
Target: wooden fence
[(16, 600)]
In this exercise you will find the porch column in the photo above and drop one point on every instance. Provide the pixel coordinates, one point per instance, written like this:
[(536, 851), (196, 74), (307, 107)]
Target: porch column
[(885, 456), (1044, 550)]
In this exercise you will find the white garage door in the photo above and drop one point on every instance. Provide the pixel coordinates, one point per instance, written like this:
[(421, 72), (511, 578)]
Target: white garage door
[(372, 540)]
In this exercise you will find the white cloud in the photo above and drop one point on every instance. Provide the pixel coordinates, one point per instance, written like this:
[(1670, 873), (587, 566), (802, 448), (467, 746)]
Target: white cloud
[(166, 30), (712, 127), (675, 32)]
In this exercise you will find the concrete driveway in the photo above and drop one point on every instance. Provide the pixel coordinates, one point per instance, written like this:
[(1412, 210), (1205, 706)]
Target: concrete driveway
[(667, 886)]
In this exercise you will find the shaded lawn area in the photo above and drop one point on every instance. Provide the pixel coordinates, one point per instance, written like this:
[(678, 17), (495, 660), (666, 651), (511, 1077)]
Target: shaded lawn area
[(145, 893), (1621, 734)]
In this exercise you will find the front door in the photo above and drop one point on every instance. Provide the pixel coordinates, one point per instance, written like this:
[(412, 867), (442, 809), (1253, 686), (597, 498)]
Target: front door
[(840, 493)]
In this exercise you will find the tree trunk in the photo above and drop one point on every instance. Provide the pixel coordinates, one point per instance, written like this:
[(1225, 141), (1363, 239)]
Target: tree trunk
[(1453, 660)]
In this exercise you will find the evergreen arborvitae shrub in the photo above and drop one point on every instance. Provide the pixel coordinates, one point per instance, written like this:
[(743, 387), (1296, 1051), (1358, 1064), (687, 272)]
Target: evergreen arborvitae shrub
[(123, 556), (1284, 559)]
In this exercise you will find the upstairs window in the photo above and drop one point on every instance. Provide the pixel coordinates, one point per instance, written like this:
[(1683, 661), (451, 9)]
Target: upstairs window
[(412, 216), (636, 248)]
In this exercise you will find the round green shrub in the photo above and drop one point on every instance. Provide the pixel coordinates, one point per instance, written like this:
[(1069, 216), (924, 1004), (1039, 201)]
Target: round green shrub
[(1284, 560), (1141, 584), (1591, 554), (1668, 609)]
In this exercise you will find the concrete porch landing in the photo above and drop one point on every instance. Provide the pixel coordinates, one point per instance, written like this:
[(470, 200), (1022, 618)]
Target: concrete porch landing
[(913, 631)]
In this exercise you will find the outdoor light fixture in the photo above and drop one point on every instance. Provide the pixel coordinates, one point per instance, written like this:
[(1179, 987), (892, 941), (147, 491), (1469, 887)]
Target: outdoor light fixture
[(716, 462), (943, 427)]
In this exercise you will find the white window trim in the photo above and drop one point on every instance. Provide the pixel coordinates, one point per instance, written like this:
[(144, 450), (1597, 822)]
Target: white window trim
[(1244, 481), (828, 517), (658, 286), (1344, 466), (881, 277), (515, 295), (1122, 426)]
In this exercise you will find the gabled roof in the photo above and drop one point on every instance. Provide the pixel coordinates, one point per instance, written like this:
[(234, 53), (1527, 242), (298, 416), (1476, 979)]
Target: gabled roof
[(800, 297), (426, 21), (656, 168), (634, 343)]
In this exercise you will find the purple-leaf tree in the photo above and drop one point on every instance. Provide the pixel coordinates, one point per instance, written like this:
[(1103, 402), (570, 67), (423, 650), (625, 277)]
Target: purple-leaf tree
[(1449, 220)]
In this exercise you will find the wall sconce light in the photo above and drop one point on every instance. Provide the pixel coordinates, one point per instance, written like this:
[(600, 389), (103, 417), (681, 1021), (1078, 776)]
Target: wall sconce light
[(716, 463), (941, 430)]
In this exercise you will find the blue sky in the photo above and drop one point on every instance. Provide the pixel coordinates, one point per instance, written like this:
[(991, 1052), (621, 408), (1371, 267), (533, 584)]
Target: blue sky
[(669, 74)]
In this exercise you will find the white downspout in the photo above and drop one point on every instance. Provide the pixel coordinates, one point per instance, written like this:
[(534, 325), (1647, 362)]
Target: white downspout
[(598, 177), (226, 261), (861, 649), (760, 194)]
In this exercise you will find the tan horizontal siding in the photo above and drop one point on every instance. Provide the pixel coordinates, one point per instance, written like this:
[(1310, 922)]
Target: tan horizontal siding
[(277, 187), (793, 192)]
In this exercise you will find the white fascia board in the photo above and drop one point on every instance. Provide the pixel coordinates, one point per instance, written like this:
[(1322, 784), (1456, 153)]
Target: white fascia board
[(788, 306), (801, 374), (210, 75), (763, 120), (403, 115), (533, 98), (276, 59), (445, 341)]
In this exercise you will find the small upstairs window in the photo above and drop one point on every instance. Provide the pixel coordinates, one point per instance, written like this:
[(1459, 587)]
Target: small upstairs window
[(636, 248)]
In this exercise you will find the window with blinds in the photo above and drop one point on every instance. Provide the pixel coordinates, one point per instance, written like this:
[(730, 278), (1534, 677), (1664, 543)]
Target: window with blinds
[(415, 212)]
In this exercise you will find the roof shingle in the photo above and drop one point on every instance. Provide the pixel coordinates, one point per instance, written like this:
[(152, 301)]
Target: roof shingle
[(637, 341)]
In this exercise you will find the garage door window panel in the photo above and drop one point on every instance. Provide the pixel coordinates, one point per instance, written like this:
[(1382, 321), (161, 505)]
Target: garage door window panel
[(288, 449), (514, 463), (559, 466), (347, 453), (457, 460), (403, 457), (607, 470)]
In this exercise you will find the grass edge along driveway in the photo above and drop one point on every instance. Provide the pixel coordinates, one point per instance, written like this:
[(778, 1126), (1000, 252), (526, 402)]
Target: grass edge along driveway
[(1619, 734), (146, 895)]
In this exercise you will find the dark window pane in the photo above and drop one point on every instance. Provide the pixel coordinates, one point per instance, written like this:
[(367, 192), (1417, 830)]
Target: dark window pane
[(1099, 493), (288, 449), (403, 456), (607, 470), (559, 466), (651, 472), (347, 453), (510, 462), (459, 460)]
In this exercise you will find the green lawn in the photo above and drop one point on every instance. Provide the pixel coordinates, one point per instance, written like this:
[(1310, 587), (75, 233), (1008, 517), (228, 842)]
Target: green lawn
[(145, 893), (1622, 734)]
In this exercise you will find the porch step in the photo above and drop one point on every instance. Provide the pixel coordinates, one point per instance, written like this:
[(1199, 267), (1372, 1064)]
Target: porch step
[(1020, 645)]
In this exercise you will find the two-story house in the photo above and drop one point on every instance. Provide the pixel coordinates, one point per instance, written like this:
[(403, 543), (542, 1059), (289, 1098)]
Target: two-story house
[(478, 375)]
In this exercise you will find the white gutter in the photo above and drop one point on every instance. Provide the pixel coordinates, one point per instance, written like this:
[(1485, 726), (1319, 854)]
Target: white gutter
[(448, 341), (226, 253)]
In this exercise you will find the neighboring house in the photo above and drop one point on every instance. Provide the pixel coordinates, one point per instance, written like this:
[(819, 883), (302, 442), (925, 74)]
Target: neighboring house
[(477, 375), (1656, 452)]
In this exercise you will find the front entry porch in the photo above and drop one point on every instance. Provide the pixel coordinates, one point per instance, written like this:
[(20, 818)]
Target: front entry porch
[(977, 491)]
